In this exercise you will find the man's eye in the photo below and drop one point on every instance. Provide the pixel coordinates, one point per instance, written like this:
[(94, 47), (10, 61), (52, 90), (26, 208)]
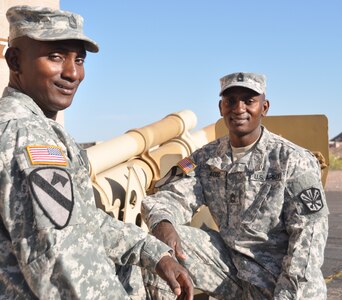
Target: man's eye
[(230, 101), (80, 61), (55, 57), (249, 101)]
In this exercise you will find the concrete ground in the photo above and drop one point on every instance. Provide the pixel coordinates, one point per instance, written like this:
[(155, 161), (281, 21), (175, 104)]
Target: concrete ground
[(332, 267)]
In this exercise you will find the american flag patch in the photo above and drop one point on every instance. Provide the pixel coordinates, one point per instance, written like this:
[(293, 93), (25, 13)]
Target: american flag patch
[(187, 165), (46, 155)]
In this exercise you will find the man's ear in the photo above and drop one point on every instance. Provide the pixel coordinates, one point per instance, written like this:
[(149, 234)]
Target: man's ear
[(12, 59), (220, 107), (265, 107)]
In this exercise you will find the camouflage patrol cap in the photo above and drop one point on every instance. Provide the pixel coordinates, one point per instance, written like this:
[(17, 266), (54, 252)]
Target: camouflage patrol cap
[(46, 24), (253, 81)]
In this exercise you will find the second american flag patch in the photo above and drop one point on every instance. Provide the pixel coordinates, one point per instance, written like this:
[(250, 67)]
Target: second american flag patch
[(187, 165)]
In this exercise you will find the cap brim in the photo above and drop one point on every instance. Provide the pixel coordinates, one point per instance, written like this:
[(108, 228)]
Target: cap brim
[(241, 84), (89, 44)]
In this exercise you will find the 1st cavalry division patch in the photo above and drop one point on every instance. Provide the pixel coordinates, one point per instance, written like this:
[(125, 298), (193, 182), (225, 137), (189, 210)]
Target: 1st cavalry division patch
[(52, 189)]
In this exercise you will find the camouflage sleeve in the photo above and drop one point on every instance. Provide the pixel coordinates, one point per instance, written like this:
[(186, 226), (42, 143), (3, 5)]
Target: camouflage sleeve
[(176, 201), (129, 244), (306, 218)]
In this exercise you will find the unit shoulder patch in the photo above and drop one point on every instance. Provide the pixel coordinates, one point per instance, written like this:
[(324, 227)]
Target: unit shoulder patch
[(52, 189), (46, 155), (312, 198)]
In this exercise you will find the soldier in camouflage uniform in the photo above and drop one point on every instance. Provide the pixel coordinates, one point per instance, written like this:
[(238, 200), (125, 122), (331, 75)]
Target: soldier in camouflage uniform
[(266, 197), (54, 242)]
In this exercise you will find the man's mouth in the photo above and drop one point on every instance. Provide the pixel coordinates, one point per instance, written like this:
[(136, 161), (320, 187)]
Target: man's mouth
[(66, 89), (239, 121)]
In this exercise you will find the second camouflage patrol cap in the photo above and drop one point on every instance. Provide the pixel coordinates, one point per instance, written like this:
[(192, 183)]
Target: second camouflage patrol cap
[(253, 81), (46, 24)]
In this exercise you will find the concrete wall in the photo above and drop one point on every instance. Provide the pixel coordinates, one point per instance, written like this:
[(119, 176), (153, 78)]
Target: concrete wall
[(4, 5)]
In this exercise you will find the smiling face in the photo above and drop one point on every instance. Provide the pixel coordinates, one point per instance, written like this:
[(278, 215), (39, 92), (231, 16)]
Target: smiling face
[(48, 72), (242, 110)]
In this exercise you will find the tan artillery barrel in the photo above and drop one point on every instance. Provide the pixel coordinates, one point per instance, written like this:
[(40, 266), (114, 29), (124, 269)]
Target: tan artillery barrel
[(110, 153), (122, 174)]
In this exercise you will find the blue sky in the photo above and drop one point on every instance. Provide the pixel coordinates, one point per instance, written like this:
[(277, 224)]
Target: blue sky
[(158, 57)]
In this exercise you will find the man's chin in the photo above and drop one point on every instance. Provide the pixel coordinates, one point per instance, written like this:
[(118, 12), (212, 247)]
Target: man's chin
[(63, 104), (56, 109)]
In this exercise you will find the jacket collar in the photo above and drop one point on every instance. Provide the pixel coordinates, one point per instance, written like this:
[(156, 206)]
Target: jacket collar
[(24, 100), (252, 162)]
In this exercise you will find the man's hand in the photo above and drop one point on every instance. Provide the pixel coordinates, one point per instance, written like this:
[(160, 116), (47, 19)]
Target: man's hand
[(165, 232), (176, 276)]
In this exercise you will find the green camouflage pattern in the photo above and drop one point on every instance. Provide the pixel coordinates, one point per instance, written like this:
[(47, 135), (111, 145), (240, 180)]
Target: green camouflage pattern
[(253, 81), (46, 24), (37, 259), (272, 217)]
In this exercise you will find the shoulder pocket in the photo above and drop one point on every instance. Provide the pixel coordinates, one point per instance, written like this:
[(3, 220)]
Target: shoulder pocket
[(252, 212), (308, 194)]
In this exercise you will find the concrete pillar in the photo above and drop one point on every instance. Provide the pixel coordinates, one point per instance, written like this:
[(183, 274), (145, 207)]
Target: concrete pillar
[(4, 5)]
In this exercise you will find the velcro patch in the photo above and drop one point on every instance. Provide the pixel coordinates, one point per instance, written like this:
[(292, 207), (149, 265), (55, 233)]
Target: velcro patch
[(312, 198), (46, 155), (186, 165), (52, 189), (174, 174)]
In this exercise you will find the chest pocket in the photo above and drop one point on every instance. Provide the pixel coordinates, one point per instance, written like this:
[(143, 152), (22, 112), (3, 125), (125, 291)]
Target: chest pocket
[(259, 215), (215, 180)]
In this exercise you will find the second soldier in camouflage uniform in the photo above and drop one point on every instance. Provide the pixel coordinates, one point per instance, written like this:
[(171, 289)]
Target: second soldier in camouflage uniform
[(54, 242), (266, 197)]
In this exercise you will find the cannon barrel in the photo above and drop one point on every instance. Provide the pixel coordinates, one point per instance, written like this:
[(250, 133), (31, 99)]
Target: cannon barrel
[(137, 141), (125, 167)]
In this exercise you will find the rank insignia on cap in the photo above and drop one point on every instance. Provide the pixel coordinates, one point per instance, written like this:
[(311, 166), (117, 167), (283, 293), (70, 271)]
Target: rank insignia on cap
[(52, 189), (240, 77), (312, 198), (46, 155), (73, 22), (186, 165), (233, 199)]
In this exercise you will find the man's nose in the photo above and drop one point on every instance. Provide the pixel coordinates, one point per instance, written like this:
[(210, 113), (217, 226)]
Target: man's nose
[(70, 71), (240, 106)]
